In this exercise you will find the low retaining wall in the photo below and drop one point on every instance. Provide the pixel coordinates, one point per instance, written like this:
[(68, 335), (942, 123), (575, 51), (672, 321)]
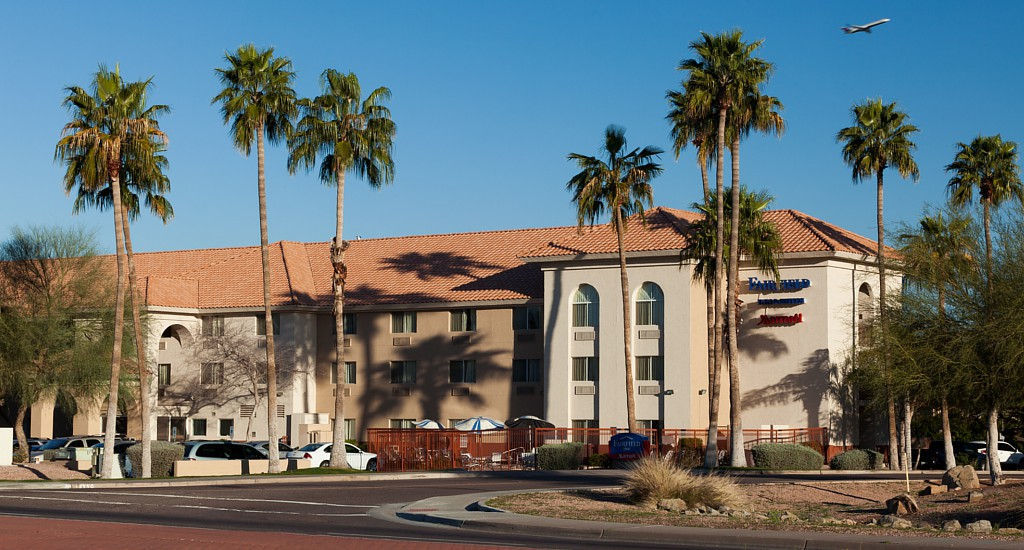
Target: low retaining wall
[(203, 468)]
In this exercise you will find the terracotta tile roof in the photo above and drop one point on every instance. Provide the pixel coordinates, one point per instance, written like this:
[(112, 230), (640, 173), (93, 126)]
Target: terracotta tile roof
[(458, 267)]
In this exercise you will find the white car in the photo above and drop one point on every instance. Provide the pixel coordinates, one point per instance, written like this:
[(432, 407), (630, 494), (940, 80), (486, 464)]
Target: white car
[(1008, 454), (319, 454), (283, 449)]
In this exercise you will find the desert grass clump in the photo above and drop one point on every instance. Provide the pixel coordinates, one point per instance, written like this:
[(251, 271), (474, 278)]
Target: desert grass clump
[(652, 479)]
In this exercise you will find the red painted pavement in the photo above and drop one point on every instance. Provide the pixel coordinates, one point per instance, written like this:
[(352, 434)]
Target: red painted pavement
[(36, 533)]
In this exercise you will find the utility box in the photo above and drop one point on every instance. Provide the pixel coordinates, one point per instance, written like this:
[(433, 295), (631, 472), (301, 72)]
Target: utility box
[(6, 446)]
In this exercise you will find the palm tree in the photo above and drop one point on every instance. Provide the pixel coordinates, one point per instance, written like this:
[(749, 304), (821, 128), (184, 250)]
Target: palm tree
[(934, 255), (351, 135), (620, 185), (259, 102), (105, 125), (761, 113), (990, 164), (142, 173), (879, 139), (720, 75)]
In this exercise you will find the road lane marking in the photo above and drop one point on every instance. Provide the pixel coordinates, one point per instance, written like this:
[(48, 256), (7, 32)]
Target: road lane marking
[(282, 512), (21, 497), (234, 499)]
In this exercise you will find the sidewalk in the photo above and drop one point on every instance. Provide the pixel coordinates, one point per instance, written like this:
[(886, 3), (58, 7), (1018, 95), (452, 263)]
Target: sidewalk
[(470, 512)]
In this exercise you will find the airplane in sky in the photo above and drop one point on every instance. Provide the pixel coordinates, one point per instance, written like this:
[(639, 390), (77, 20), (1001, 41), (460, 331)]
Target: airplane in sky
[(850, 29)]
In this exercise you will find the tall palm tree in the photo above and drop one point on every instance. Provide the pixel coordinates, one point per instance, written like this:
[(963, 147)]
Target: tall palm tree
[(991, 165), (621, 185), (142, 173), (355, 135), (106, 124), (720, 75), (879, 139), (935, 255), (754, 112), (259, 102)]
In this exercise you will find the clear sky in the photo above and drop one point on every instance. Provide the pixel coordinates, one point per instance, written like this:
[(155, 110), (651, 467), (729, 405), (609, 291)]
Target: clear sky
[(489, 97)]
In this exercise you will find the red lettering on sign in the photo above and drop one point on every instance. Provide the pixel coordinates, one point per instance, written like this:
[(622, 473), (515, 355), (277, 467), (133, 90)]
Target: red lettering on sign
[(780, 320)]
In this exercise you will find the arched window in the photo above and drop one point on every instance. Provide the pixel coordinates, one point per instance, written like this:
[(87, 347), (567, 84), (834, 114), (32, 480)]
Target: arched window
[(865, 314), (650, 305), (584, 306)]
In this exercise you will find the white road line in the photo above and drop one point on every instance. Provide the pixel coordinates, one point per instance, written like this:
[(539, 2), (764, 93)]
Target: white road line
[(197, 507), (158, 495), (66, 500)]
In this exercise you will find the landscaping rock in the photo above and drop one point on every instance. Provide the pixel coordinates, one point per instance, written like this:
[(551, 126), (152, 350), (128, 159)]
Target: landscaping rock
[(1009, 531), (951, 525), (714, 512), (677, 505), (933, 490), (789, 516), (901, 505), (961, 477), (980, 526), (837, 521), (725, 509), (691, 512), (894, 522), (975, 496), (761, 516)]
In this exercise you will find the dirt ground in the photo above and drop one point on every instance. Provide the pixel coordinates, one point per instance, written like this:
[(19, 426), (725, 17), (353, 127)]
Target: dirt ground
[(811, 501), (43, 470)]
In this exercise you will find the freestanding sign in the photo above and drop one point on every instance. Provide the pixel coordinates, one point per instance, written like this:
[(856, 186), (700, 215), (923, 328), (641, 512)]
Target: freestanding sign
[(628, 446), (6, 446)]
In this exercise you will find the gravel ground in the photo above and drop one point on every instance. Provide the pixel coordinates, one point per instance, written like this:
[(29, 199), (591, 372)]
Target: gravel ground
[(43, 470)]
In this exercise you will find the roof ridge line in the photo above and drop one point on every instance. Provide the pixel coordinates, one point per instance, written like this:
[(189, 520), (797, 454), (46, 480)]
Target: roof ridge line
[(800, 219)]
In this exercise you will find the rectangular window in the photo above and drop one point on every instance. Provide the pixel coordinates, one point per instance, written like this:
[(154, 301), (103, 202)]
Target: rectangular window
[(462, 372), (403, 372), (403, 322), (350, 428), (227, 427), (213, 326), (350, 372), (648, 424), (584, 369), (526, 370), (526, 318), (402, 423), (650, 368), (198, 426), (463, 320), (261, 324), (348, 321), (582, 424), (212, 374), (163, 374)]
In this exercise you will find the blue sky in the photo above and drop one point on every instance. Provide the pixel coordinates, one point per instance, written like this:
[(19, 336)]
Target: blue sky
[(489, 98)]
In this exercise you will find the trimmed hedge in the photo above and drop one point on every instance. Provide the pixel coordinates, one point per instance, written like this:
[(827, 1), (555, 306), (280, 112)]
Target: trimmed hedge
[(601, 460), (563, 456), (857, 459), (786, 456), (164, 454)]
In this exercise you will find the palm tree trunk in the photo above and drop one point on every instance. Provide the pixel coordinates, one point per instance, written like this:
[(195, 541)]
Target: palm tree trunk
[(140, 353), (894, 462), (704, 175), (988, 246), (338, 455), (627, 337), (908, 442), (995, 470), (947, 436), (737, 457), (19, 428), (268, 320), (711, 453), (115, 359)]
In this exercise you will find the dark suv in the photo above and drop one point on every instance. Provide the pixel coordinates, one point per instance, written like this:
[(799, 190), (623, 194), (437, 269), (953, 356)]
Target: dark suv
[(220, 450)]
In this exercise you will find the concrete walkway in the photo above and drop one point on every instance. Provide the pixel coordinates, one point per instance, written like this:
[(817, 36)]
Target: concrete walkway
[(470, 512)]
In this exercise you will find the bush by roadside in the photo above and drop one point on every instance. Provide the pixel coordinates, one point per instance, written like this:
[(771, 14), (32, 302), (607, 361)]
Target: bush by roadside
[(164, 453), (652, 479), (562, 456), (857, 459), (786, 456), (601, 460)]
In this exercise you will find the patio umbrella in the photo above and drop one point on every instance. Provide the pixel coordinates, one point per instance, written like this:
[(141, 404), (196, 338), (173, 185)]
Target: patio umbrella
[(428, 424), (478, 423), (528, 421)]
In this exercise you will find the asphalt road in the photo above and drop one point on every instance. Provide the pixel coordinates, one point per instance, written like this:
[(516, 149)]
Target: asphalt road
[(341, 509)]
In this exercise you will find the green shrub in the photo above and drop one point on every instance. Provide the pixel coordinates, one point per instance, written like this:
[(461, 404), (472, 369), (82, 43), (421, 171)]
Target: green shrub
[(20, 456), (164, 454), (786, 456), (599, 460), (689, 452), (563, 456), (651, 479), (857, 459)]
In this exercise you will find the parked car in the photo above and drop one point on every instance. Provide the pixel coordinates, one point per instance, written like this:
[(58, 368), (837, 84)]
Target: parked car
[(120, 448), (282, 449), (1009, 456), (221, 450), (33, 443), (319, 454), (934, 457), (62, 446)]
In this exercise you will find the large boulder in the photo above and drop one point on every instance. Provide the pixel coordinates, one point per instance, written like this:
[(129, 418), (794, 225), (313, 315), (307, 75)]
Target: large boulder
[(901, 505), (961, 477)]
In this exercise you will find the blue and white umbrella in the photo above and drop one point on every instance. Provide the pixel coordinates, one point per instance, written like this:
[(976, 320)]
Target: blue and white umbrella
[(478, 424), (428, 424)]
